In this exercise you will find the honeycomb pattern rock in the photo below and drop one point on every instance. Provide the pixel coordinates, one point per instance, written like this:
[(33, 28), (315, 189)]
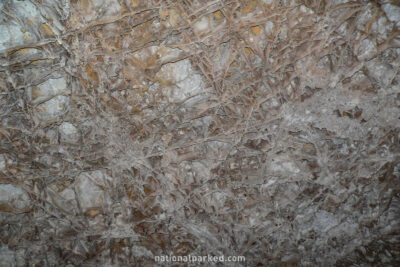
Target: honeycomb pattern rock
[(132, 130)]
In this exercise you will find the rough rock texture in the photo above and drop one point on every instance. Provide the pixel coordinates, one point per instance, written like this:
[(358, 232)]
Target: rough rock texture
[(13, 199), (68, 133), (131, 129)]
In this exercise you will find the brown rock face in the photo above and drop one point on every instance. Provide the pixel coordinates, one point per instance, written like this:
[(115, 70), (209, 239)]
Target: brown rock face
[(222, 133)]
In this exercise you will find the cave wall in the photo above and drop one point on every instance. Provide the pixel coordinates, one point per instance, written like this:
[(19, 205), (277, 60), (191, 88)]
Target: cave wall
[(134, 129)]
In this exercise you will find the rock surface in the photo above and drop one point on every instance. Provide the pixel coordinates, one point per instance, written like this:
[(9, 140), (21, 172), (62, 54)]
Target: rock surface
[(186, 82), (134, 129), (53, 109), (49, 89), (68, 133), (7, 257), (13, 199), (90, 190)]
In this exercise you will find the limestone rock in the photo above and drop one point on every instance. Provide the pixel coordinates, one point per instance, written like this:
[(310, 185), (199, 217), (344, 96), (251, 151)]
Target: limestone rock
[(3, 162), (324, 221), (186, 81), (392, 12), (90, 188), (140, 252), (157, 54), (366, 49), (382, 72), (65, 200), (10, 35), (202, 25), (269, 27), (268, 129), (13, 199), (7, 257), (53, 109), (108, 8), (27, 10), (49, 89), (68, 133)]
